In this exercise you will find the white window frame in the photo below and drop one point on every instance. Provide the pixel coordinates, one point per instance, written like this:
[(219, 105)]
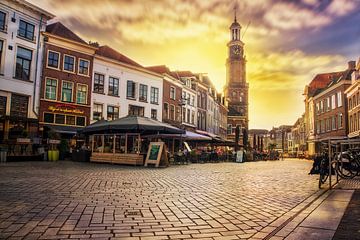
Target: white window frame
[(173, 97), (47, 60), (86, 95), (102, 110), (72, 91), (339, 99), (63, 67), (56, 93), (78, 71)]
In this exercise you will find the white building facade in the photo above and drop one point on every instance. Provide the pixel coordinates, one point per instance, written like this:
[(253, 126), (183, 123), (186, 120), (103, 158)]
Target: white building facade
[(21, 52), (122, 87), (189, 100)]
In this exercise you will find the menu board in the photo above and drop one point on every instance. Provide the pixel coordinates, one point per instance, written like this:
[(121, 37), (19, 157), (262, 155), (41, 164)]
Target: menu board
[(156, 153)]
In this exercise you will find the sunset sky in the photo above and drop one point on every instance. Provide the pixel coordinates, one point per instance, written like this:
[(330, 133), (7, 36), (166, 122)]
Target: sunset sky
[(287, 42)]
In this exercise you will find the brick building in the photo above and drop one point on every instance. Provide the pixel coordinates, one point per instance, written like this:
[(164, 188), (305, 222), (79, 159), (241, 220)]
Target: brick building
[(65, 98), (330, 103), (353, 99), (172, 90)]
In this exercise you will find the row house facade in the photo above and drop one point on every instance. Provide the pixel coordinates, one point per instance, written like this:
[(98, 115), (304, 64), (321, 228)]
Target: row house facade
[(51, 79), (202, 90), (278, 137), (223, 113), (172, 96), (330, 115), (21, 52), (296, 138), (189, 99), (353, 100), (65, 99), (319, 82), (123, 87)]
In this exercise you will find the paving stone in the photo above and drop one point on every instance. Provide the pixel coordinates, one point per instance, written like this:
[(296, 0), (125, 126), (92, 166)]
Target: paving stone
[(205, 201)]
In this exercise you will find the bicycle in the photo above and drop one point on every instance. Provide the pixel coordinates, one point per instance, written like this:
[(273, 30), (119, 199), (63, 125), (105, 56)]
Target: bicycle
[(323, 169), (347, 164)]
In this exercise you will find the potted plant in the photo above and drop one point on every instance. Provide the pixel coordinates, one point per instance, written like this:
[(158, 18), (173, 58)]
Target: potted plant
[(53, 153)]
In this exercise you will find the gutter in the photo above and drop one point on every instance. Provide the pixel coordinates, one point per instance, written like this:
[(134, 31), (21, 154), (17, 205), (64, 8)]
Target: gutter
[(36, 69)]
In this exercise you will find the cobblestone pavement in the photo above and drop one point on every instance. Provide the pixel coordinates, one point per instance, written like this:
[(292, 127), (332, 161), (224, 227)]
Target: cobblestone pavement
[(45, 200)]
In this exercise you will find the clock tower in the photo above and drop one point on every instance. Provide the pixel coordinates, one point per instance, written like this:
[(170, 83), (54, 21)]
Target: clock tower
[(236, 88)]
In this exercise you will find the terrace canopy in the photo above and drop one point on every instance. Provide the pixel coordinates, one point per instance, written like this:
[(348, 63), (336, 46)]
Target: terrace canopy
[(120, 141), (132, 124)]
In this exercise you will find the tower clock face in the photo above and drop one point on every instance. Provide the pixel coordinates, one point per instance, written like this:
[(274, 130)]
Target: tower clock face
[(236, 50)]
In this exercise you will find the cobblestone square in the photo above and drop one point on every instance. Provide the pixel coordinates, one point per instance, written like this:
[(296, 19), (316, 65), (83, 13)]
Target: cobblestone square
[(68, 200)]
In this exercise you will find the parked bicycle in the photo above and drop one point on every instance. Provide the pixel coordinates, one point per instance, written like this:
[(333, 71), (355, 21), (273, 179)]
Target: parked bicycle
[(347, 163)]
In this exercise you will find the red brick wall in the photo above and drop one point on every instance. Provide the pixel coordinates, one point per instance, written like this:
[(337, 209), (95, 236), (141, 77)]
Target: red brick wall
[(71, 77), (167, 99), (339, 132)]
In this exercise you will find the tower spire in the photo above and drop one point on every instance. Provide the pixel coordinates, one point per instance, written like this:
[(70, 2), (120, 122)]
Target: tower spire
[(235, 10)]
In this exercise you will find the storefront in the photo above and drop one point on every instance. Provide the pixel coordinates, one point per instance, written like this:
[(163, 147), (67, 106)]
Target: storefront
[(117, 148), (124, 140)]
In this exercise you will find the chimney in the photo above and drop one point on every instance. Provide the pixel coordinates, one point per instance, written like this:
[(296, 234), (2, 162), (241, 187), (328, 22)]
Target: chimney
[(351, 65)]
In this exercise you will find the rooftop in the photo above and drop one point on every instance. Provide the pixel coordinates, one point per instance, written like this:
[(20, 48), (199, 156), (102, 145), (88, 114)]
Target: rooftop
[(60, 30), (111, 53)]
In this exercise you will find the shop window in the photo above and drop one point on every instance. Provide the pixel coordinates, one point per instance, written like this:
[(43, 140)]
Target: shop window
[(108, 143), (69, 63), (70, 120), (97, 143), (23, 63), (53, 59), (80, 121), (19, 106), (136, 111), (49, 117), (132, 144), (120, 141), (60, 119)]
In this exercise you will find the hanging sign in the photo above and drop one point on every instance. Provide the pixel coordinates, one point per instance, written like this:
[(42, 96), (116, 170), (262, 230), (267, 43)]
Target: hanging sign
[(64, 108)]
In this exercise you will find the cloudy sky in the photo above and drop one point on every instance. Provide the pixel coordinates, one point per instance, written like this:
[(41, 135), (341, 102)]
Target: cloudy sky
[(287, 42)]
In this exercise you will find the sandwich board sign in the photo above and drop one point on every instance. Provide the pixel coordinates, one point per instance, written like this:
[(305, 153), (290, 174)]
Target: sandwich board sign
[(156, 154)]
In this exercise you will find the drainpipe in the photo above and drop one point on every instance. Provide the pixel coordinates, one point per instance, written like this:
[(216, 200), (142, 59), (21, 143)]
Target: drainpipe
[(36, 68)]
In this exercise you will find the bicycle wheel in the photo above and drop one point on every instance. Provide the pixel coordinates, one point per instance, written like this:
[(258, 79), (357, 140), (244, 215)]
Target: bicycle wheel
[(346, 168), (323, 172)]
